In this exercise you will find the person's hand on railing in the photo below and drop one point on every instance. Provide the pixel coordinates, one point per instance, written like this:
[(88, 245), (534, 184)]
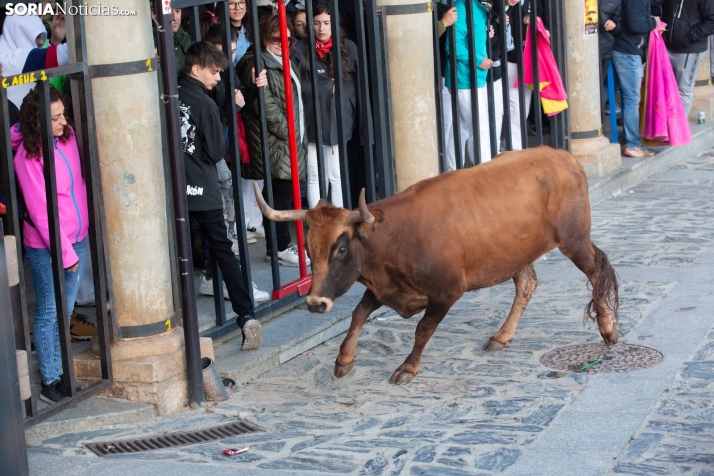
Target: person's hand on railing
[(262, 80), (449, 17), (59, 29), (240, 100), (491, 32), (486, 64)]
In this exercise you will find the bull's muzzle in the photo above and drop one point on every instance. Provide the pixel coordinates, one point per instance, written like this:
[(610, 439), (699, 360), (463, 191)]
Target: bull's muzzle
[(319, 305)]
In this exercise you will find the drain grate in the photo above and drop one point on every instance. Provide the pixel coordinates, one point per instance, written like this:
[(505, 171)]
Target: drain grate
[(615, 359), (170, 440)]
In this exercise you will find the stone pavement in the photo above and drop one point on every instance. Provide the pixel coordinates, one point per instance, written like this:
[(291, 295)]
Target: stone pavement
[(472, 412)]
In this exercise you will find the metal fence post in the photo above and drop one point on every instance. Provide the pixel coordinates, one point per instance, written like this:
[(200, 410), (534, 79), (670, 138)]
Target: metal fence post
[(13, 450)]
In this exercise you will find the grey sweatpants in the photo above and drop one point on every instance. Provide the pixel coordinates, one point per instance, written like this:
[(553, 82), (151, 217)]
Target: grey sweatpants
[(686, 66)]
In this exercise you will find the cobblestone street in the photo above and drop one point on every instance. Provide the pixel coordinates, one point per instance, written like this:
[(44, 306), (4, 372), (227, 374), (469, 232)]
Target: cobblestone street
[(469, 412)]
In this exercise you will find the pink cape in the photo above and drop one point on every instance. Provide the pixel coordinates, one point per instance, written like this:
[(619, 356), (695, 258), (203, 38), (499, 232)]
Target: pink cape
[(663, 120)]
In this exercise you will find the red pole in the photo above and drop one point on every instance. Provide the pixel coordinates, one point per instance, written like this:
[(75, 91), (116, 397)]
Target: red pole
[(290, 116)]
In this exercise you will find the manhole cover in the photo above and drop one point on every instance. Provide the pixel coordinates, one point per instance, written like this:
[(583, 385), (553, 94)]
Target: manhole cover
[(615, 359), (179, 438)]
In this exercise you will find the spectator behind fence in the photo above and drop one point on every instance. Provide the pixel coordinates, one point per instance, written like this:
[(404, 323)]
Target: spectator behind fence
[(205, 21), (689, 25), (278, 146), (327, 112), (300, 25), (483, 64), (628, 56), (73, 223), (240, 23), (181, 40), (610, 12), (22, 50), (495, 72), (202, 137), (514, 28)]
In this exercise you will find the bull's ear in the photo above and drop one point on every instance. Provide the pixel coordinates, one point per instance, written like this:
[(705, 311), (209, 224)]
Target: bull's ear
[(364, 229), (321, 203)]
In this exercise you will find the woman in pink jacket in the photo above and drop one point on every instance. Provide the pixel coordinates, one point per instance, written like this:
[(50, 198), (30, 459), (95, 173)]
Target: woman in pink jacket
[(73, 219)]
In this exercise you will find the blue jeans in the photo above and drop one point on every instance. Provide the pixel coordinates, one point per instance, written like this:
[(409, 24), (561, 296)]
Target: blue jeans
[(46, 331), (630, 71)]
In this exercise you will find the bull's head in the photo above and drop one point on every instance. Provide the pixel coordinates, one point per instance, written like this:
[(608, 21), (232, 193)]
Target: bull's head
[(334, 245)]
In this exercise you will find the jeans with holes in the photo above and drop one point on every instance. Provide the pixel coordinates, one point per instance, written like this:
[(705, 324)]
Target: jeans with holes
[(46, 332), (629, 70)]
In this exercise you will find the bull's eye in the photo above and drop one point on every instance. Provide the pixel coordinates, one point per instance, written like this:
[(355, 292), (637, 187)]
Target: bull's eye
[(341, 251)]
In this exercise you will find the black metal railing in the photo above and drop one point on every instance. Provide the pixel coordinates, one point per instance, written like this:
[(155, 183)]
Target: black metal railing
[(78, 74), (552, 16)]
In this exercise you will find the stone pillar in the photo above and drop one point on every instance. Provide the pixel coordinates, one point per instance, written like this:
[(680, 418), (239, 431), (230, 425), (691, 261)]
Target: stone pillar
[(150, 367), (594, 151), (411, 62), (703, 99)]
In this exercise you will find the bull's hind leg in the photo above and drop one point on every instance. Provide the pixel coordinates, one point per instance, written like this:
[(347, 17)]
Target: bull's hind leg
[(604, 304), (425, 329), (526, 282), (346, 358)]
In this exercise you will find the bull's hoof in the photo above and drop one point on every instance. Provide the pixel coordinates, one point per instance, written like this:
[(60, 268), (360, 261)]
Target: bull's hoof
[(342, 370), (493, 345), (612, 337), (402, 376)]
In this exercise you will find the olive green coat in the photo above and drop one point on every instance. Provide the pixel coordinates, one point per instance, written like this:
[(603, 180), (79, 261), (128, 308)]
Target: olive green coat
[(278, 146)]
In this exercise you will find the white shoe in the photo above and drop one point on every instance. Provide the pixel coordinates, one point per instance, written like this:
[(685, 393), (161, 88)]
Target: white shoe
[(206, 288), (256, 232), (260, 296), (289, 257)]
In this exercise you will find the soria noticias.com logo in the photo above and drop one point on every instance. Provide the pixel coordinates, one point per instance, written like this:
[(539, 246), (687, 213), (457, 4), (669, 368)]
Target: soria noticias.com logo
[(39, 8)]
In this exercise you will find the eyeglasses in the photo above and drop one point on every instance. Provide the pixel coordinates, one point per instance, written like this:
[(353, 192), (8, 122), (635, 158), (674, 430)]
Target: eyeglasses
[(237, 5), (275, 40)]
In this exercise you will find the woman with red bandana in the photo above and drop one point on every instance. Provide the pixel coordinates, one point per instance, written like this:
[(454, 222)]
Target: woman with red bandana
[(326, 114)]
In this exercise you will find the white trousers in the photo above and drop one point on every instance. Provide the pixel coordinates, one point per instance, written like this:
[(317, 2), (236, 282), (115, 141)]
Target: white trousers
[(253, 216), (514, 99), (466, 127), (331, 155)]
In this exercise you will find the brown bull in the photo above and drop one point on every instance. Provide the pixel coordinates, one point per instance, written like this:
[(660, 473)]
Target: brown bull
[(458, 232)]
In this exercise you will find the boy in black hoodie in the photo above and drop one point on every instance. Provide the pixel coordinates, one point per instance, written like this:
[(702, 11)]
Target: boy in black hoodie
[(202, 138)]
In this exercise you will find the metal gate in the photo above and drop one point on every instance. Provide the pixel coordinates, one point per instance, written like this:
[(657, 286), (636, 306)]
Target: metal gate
[(78, 74)]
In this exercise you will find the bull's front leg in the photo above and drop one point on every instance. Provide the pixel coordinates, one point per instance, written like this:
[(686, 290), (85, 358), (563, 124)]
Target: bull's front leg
[(346, 358), (425, 329)]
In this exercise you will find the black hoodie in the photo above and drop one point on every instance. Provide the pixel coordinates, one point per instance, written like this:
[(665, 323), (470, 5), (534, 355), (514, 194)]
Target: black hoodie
[(637, 22), (689, 24), (202, 139)]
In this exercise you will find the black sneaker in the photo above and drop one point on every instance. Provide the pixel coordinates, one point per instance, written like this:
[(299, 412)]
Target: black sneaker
[(52, 393), (251, 332)]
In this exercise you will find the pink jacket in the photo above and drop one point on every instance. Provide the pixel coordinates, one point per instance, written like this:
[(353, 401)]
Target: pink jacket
[(664, 120), (71, 196)]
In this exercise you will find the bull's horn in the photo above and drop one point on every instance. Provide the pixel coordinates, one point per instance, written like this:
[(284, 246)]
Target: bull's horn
[(277, 215), (362, 214)]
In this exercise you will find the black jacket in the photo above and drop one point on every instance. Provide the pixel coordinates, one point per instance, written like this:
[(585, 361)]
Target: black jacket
[(689, 24), (327, 112), (608, 10), (516, 14), (637, 22), (202, 139)]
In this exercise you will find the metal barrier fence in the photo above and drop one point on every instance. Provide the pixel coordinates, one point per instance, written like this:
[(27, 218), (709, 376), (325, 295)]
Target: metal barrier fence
[(553, 16), (78, 73)]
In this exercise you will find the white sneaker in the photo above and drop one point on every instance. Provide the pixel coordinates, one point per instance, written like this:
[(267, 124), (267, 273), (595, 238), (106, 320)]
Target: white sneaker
[(256, 232), (206, 288), (289, 257), (260, 296)]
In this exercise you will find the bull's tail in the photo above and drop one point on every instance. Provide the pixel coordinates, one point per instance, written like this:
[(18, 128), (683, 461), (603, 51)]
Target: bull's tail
[(605, 288)]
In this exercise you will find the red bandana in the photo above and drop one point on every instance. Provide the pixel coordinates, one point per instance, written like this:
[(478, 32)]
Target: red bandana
[(323, 48)]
